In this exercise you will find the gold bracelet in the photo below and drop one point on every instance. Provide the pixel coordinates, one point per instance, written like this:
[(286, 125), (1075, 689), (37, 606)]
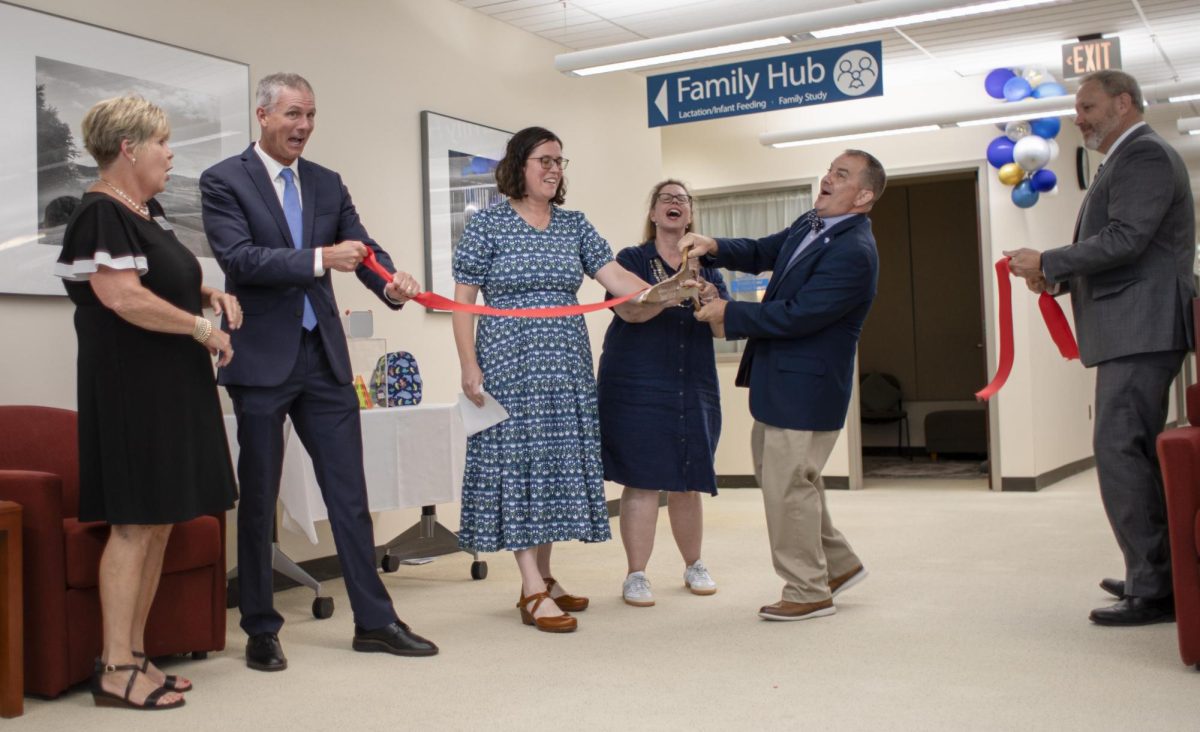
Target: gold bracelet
[(202, 330)]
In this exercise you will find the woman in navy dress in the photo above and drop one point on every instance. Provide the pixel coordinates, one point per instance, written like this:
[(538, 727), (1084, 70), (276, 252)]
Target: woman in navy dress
[(660, 407), (535, 478)]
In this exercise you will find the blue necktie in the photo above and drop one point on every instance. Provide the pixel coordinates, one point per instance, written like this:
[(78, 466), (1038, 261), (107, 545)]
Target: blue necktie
[(291, 211)]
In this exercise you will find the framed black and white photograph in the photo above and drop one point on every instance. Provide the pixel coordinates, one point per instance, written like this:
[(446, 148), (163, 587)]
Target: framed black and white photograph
[(459, 173), (52, 70)]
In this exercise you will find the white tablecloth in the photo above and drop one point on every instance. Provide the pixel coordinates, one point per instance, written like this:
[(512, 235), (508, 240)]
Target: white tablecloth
[(413, 456)]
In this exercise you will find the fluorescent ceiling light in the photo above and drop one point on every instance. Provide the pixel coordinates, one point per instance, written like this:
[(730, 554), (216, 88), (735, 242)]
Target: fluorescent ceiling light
[(983, 113), (683, 56), (770, 31), (1188, 126), (1011, 117), (929, 17), (1184, 98), (856, 136)]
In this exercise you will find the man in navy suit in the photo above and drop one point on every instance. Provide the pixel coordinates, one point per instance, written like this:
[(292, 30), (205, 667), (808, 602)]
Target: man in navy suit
[(278, 225), (799, 365)]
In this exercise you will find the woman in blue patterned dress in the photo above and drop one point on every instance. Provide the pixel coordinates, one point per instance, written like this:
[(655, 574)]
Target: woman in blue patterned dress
[(660, 407), (536, 477)]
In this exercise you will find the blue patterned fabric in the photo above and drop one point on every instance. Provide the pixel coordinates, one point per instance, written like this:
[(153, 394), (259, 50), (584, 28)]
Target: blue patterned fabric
[(536, 477), (396, 380)]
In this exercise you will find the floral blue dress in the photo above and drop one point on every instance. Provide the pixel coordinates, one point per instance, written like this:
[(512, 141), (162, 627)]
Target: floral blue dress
[(536, 477)]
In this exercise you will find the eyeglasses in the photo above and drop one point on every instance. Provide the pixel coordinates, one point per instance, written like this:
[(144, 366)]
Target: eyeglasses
[(549, 162), (682, 200)]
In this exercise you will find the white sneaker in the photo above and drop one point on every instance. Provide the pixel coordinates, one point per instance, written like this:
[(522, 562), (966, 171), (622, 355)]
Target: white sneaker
[(697, 579), (636, 590)]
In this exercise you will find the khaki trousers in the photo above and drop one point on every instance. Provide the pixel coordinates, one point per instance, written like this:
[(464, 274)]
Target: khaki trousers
[(805, 547)]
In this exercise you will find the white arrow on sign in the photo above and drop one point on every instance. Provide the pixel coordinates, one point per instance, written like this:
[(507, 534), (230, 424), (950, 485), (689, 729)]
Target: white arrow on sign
[(660, 101)]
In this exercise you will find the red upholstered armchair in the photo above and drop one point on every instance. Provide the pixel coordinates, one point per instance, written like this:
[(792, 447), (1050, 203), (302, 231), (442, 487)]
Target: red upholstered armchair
[(1179, 454), (39, 469)]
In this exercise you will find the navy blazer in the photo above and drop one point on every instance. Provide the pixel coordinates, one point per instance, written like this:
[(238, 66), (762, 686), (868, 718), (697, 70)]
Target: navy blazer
[(799, 361), (245, 225)]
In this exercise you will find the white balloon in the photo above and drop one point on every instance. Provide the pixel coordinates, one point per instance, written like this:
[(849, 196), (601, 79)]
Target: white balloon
[(1017, 129), (1053, 149), (1031, 152)]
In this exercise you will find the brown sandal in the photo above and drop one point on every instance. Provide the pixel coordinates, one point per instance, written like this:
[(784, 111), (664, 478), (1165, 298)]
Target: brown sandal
[(553, 624), (569, 603), (105, 698), (171, 682)]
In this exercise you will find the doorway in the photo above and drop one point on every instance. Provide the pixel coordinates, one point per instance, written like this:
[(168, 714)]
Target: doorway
[(921, 354)]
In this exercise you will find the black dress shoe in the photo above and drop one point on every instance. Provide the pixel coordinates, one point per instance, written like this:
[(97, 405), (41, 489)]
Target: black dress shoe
[(1136, 611), (394, 638), (263, 653), (1114, 587)]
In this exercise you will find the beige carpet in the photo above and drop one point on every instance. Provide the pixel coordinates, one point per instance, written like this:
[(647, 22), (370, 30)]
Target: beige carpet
[(974, 618)]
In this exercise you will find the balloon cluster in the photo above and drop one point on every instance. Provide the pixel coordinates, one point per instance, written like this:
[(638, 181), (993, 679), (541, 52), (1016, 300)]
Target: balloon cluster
[(1020, 155)]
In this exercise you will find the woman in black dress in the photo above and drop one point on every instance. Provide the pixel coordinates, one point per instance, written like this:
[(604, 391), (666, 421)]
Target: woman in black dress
[(152, 448), (660, 407)]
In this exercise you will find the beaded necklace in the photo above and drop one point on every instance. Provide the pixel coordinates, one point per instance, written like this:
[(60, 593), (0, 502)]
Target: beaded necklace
[(141, 208)]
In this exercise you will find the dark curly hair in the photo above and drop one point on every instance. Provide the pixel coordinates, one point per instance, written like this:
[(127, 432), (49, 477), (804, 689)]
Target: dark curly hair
[(510, 172)]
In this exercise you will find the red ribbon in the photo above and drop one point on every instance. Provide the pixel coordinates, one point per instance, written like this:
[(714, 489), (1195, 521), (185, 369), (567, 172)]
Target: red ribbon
[(437, 302), (1057, 325), (1052, 315)]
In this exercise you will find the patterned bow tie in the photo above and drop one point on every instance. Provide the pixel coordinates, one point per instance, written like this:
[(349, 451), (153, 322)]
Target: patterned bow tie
[(815, 223)]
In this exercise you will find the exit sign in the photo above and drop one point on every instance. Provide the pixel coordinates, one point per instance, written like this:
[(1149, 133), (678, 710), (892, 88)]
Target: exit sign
[(1096, 54)]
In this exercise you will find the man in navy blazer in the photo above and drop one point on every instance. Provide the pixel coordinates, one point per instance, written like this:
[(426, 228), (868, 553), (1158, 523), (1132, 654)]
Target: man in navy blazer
[(799, 365), (278, 225)]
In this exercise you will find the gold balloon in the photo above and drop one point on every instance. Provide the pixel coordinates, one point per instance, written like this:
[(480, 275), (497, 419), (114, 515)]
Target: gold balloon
[(1011, 174)]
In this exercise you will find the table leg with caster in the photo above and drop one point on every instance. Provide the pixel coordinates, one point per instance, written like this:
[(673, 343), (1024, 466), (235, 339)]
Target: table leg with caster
[(426, 538)]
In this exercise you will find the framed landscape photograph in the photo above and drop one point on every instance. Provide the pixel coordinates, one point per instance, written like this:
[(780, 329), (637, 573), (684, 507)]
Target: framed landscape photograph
[(459, 166), (52, 70)]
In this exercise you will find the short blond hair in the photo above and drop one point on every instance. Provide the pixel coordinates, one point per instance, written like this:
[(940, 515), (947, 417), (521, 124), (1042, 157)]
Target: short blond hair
[(111, 121)]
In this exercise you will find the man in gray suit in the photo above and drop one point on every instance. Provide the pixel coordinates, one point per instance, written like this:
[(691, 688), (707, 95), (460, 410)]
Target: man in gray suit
[(1129, 273)]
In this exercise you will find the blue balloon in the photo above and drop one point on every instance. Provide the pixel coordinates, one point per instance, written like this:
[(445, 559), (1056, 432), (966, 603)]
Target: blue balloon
[(1016, 89), (994, 83), (1047, 127), (1043, 180), (1000, 152), (1023, 194), (1049, 89)]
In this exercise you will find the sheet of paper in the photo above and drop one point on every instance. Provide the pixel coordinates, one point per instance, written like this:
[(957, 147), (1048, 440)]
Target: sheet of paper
[(476, 419)]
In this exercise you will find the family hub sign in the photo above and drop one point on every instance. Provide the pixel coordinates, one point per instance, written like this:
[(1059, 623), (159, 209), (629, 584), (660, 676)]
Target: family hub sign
[(762, 85)]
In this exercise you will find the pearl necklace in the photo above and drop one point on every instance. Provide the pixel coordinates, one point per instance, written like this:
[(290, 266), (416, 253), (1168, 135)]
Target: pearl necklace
[(140, 208)]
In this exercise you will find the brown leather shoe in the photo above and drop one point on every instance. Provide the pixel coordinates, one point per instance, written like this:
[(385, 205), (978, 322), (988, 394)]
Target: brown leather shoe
[(553, 624), (784, 610), (569, 603), (845, 581)]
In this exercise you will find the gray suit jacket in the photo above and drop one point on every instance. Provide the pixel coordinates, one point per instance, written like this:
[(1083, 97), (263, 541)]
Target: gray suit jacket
[(1130, 269)]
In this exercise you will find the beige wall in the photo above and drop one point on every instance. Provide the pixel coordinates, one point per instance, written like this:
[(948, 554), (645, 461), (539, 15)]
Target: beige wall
[(375, 66)]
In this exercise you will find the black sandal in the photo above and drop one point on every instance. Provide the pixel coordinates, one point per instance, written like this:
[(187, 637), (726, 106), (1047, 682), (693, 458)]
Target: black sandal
[(104, 698), (170, 683)]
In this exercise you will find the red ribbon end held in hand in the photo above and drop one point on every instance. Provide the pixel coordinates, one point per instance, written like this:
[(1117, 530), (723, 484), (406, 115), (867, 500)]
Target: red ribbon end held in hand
[(1052, 315)]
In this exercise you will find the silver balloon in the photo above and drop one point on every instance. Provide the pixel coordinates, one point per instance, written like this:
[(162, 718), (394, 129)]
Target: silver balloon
[(1031, 153), (1017, 129), (1053, 149)]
